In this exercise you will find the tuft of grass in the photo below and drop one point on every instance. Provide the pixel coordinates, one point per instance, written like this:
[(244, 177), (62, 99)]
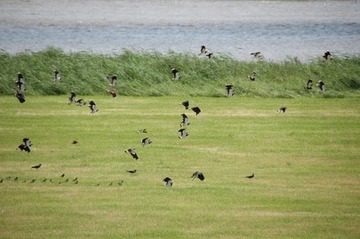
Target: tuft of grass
[(305, 161), (149, 74)]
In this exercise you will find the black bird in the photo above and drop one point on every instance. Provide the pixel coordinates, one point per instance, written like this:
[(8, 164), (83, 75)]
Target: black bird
[(183, 133), (252, 77), (26, 145), (112, 80), (20, 96), (309, 85), (145, 141), (112, 92), (282, 109), (92, 107), (36, 166), (168, 181), (185, 104), (257, 55), (62, 175), (198, 175), (75, 142), (20, 83), (72, 98), (321, 86), (185, 120), (229, 90), (250, 176), (2, 180), (327, 55), (57, 75), (131, 171), (144, 131), (133, 153), (196, 109), (204, 51), (176, 74), (80, 102)]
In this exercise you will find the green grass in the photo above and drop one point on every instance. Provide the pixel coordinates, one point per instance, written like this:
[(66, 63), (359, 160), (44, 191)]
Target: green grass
[(306, 165), (149, 74)]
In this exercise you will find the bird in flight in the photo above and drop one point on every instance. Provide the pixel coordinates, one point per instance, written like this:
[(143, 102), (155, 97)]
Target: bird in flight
[(132, 152), (176, 74), (112, 80), (282, 109), (57, 75), (183, 133), (198, 175), (145, 141), (25, 145), (185, 104), (204, 51), (112, 92), (36, 166), (250, 176), (196, 109), (131, 171)]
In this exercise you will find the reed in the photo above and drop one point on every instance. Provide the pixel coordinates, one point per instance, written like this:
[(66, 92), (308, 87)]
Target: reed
[(149, 74)]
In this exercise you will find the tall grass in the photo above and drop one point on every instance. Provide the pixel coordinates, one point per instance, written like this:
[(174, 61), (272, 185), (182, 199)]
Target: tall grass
[(149, 74)]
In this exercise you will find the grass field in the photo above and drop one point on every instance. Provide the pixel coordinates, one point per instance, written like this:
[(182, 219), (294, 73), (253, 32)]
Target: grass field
[(306, 165)]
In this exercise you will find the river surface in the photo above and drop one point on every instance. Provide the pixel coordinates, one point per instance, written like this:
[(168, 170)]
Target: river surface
[(278, 29)]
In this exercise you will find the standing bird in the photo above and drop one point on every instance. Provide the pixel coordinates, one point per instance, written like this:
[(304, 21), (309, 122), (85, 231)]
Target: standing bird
[(309, 85), (282, 109), (92, 107), (36, 166), (112, 80), (186, 104), (257, 55), (20, 96), (145, 141), (20, 83), (321, 86), (198, 175), (132, 152), (327, 56), (250, 176), (196, 109), (72, 98), (252, 77), (229, 90), (112, 92), (205, 52), (183, 133), (57, 75), (176, 74), (168, 181), (185, 120)]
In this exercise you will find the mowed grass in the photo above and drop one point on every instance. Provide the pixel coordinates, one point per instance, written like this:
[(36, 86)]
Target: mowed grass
[(306, 165)]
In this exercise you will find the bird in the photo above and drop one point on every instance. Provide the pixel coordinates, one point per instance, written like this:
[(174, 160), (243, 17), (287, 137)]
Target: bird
[(327, 56), (112, 92), (309, 85), (131, 171), (57, 75), (176, 74), (196, 109), (112, 80), (250, 176), (257, 55), (62, 175), (185, 104), (20, 96), (252, 77), (198, 175), (36, 166), (229, 90), (321, 86), (183, 133), (80, 102), (185, 120), (33, 181), (72, 98), (74, 142), (92, 107), (204, 51), (132, 152), (26, 145), (145, 141), (144, 131), (282, 109), (168, 181), (20, 83), (2, 180)]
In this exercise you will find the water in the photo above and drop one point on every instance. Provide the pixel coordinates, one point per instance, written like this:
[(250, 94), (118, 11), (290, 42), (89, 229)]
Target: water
[(278, 29)]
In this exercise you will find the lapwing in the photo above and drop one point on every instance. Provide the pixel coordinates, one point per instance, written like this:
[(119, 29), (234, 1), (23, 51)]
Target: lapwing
[(57, 75), (168, 182), (327, 56), (112, 92), (196, 109), (146, 141), (183, 133), (309, 85), (250, 176), (133, 153), (72, 98), (185, 120), (176, 74), (321, 86), (198, 175), (92, 107), (282, 109), (229, 90), (186, 104), (205, 52), (20, 96), (112, 80)]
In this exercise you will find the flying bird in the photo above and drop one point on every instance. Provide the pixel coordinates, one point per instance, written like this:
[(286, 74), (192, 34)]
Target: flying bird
[(112, 80), (145, 141), (185, 104), (327, 55), (112, 92), (176, 74), (204, 51), (282, 109), (321, 86), (25, 145), (257, 55), (185, 120), (80, 102), (72, 98), (36, 166), (196, 109), (183, 133), (57, 75), (168, 181), (309, 85), (252, 77), (20, 83), (92, 107), (198, 175), (132, 152), (144, 131), (131, 171), (250, 176), (229, 90), (20, 96)]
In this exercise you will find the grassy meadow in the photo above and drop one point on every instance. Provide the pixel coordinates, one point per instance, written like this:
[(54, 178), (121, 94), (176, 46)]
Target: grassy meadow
[(306, 165)]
